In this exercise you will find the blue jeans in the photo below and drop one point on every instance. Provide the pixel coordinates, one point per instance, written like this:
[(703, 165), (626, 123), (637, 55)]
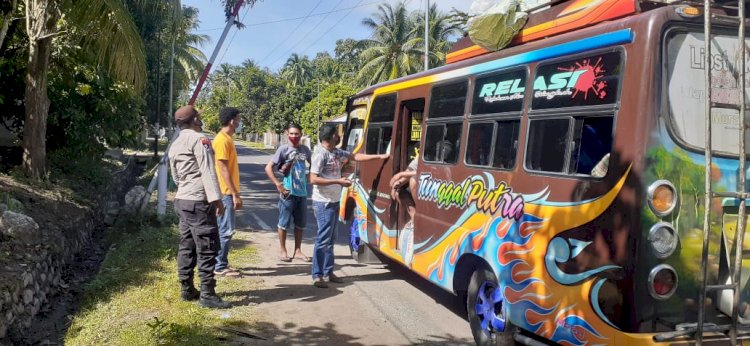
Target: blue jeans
[(325, 213), (292, 207), (226, 231)]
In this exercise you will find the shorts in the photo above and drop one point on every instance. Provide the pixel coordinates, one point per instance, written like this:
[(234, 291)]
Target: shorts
[(292, 207)]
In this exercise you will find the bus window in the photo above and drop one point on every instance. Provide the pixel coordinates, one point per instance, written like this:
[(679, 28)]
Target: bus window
[(548, 145), (506, 144), (593, 140), (448, 100), (378, 140), (570, 145), (583, 81), (442, 143), (477, 151), (499, 92), (383, 109), (503, 154)]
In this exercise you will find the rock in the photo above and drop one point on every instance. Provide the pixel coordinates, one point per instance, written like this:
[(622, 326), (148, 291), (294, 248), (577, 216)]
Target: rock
[(133, 199), (3, 330), (28, 296), (20, 227), (3, 208)]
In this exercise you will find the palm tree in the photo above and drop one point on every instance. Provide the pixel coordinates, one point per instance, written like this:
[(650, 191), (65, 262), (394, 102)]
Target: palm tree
[(393, 51), (297, 70), (112, 35), (189, 59), (442, 28)]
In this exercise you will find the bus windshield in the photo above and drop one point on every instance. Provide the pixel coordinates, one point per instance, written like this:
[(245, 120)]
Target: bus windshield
[(686, 91)]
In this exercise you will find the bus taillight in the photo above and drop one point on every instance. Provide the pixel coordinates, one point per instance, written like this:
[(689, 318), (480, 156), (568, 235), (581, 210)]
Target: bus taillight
[(663, 239), (662, 198), (662, 281)]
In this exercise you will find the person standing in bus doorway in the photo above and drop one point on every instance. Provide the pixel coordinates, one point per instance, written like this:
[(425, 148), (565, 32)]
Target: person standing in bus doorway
[(325, 175), (229, 181), (197, 203), (291, 159)]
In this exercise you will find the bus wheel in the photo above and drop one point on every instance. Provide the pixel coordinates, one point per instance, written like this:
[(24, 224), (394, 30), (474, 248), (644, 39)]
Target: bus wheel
[(486, 310)]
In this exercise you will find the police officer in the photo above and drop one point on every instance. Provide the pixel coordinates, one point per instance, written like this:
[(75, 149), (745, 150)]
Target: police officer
[(197, 203)]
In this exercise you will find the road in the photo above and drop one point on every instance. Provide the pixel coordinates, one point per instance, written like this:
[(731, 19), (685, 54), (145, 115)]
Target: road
[(379, 304)]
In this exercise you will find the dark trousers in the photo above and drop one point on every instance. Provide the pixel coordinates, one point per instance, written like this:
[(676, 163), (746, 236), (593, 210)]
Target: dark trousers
[(199, 240)]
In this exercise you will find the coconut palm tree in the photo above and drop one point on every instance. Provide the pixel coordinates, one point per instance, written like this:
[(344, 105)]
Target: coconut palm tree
[(189, 60), (393, 50), (442, 29), (297, 70)]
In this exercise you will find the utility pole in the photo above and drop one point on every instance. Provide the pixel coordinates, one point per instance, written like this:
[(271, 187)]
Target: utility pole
[(427, 36), (162, 173), (158, 87), (230, 23), (320, 115)]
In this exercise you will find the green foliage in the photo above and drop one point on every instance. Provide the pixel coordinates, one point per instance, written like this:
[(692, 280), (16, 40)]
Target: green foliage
[(332, 104)]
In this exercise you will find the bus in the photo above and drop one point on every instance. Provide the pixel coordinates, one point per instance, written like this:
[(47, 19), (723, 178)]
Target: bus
[(564, 188)]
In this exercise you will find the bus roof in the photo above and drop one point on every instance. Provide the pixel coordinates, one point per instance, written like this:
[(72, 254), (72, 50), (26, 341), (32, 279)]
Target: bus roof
[(547, 22)]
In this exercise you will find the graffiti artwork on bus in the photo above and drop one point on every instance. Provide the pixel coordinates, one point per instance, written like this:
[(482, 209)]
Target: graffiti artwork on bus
[(513, 240), (473, 191)]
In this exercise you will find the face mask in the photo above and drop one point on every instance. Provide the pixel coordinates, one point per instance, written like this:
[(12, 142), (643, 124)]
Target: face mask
[(294, 140), (239, 127)]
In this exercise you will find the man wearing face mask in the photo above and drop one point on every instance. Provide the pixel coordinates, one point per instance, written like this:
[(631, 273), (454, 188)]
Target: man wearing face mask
[(291, 159), (197, 203), (229, 181)]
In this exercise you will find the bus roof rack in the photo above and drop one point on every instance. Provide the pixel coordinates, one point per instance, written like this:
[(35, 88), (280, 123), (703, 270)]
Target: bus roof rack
[(552, 18)]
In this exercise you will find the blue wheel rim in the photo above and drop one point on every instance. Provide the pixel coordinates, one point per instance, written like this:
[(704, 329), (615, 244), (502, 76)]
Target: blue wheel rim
[(489, 308)]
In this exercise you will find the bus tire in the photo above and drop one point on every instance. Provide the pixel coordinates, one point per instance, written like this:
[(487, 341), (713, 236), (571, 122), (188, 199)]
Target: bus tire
[(486, 311)]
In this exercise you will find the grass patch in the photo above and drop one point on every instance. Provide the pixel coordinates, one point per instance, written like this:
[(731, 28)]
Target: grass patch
[(135, 298)]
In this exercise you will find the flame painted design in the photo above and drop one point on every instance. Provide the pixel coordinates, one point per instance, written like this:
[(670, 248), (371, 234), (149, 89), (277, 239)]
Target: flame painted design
[(524, 254)]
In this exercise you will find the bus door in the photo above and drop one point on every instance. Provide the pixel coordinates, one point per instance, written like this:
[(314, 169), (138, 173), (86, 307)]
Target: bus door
[(375, 176), (410, 133)]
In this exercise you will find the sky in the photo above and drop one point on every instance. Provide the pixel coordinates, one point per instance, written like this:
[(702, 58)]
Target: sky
[(277, 28)]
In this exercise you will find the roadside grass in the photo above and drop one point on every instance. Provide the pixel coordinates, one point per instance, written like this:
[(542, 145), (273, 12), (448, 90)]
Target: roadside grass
[(135, 298)]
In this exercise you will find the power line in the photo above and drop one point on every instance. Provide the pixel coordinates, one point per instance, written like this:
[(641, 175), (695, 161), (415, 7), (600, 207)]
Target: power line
[(298, 18), (233, 35), (304, 37), (331, 28), (291, 32)]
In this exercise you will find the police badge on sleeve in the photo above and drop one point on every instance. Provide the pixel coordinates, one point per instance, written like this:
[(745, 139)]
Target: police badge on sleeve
[(206, 143)]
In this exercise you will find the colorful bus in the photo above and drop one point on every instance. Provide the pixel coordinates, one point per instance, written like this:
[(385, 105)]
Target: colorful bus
[(561, 181)]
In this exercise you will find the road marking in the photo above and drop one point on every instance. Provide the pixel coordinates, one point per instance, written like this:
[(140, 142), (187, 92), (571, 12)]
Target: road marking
[(260, 222)]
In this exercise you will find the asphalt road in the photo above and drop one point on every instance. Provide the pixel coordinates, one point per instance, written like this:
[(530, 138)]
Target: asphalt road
[(379, 304)]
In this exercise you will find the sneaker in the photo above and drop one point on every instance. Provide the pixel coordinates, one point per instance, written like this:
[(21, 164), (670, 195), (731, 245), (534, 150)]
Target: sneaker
[(213, 302), (335, 279), (227, 272), (320, 283)]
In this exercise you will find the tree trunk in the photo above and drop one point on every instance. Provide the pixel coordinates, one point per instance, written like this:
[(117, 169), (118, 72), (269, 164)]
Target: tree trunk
[(41, 17), (6, 22)]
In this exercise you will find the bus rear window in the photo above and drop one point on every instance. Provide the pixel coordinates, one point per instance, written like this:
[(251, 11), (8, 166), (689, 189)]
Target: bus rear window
[(686, 90)]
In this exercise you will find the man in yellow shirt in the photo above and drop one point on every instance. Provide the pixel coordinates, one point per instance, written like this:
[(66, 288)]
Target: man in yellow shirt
[(229, 182)]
